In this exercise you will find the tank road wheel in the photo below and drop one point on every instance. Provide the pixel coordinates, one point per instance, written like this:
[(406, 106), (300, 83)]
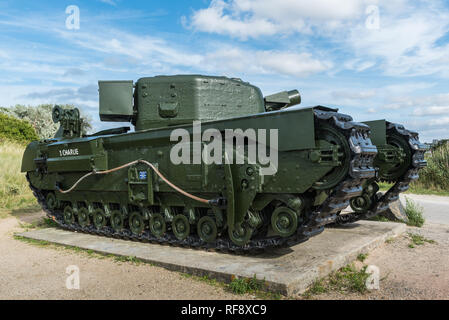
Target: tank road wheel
[(99, 218), (394, 173), (334, 137), (116, 220), (284, 221), (51, 201), (240, 235), (157, 225), (207, 229), (181, 226), (136, 223), (83, 217), (69, 217)]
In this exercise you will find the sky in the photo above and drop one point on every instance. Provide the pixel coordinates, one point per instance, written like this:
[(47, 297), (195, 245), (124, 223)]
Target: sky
[(372, 59)]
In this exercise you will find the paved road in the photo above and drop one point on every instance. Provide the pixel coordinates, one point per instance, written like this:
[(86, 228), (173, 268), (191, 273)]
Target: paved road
[(436, 208)]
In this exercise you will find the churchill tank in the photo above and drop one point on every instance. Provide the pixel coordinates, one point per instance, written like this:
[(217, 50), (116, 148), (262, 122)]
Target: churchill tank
[(210, 163)]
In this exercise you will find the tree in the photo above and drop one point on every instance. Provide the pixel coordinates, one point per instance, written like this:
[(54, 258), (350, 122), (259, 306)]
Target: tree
[(40, 117)]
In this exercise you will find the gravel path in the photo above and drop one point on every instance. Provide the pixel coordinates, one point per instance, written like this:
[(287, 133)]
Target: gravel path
[(28, 271)]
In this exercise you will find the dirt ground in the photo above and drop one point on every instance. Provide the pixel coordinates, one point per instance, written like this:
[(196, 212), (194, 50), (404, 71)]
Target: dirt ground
[(28, 271), (421, 272)]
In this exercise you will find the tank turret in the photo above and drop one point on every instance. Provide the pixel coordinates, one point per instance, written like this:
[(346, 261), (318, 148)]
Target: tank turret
[(162, 101)]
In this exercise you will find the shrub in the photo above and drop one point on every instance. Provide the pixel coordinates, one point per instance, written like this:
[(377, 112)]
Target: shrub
[(16, 129), (436, 174), (414, 213)]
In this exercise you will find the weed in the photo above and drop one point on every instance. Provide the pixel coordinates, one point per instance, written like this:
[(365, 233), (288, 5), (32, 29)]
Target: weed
[(131, 259), (346, 279), (362, 257), (244, 285), (414, 213), (418, 240)]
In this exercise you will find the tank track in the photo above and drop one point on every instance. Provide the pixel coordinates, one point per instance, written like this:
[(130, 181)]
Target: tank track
[(383, 201), (361, 169)]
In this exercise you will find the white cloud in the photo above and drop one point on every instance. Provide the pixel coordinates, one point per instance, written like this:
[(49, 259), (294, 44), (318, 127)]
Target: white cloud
[(354, 95), (250, 18), (404, 45), (234, 60), (431, 111), (110, 2)]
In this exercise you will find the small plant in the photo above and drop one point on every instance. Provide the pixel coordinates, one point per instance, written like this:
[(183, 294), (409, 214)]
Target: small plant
[(243, 285), (318, 287), (418, 240), (379, 218), (414, 213), (131, 259), (362, 257), (346, 279), (349, 279)]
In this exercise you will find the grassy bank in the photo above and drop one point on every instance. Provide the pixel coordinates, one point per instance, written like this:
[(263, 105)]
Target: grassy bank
[(15, 193), (433, 179)]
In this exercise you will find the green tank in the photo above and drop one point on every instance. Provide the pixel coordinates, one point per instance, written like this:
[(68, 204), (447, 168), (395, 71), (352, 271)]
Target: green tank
[(211, 163)]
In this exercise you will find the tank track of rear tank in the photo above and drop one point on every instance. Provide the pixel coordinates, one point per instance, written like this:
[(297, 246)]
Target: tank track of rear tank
[(361, 169), (382, 201)]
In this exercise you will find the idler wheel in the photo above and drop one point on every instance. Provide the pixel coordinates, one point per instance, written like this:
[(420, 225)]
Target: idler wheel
[(51, 201), (284, 221), (394, 173), (136, 223), (69, 217), (207, 229), (180, 226), (83, 217), (157, 225), (99, 218), (332, 136), (240, 235), (116, 220)]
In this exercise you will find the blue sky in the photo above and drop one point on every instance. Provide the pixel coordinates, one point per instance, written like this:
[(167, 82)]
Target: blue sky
[(372, 59)]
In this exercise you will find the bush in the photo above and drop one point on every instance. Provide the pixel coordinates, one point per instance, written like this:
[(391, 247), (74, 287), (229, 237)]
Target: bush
[(414, 214), (16, 130), (436, 174)]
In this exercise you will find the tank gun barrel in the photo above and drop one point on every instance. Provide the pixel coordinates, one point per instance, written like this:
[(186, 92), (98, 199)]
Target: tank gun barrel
[(283, 99)]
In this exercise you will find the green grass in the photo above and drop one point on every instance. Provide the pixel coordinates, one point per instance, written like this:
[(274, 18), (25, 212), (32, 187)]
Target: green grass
[(239, 286), (417, 188), (131, 259), (414, 214), (244, 285), (346, 280), (362, 257), (433, 179), (418, 240), (15, 193)]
